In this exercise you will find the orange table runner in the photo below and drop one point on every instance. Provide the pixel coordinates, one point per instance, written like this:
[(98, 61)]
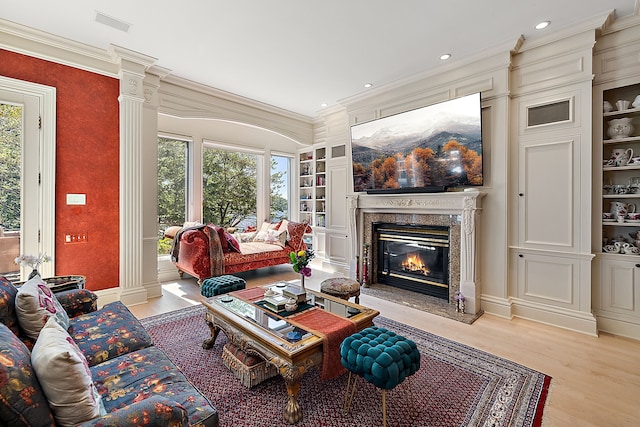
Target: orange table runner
[(333, 329), (250, 294)]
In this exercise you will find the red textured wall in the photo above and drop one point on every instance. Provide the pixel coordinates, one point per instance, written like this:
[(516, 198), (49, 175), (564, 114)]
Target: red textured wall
[(87, 162)]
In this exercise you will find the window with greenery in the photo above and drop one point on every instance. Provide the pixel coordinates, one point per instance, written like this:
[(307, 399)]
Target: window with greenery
[(10, 165), (280, 200), (172, 187), (229, 188)]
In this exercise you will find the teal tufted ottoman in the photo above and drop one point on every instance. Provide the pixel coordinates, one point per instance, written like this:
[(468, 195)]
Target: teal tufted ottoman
[(382, 358), (221, 285)]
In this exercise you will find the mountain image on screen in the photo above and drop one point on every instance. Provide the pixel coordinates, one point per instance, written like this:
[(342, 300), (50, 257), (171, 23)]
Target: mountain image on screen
[(438, 146)]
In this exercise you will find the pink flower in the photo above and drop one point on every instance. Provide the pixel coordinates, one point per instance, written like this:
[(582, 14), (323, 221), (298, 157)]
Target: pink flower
[(305, 271)]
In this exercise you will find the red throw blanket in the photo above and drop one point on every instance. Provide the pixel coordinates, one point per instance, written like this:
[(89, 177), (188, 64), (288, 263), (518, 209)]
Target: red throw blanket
[(332, 328)]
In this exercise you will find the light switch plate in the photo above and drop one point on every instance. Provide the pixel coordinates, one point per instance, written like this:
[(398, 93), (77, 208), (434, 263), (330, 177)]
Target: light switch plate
[(76, 199)]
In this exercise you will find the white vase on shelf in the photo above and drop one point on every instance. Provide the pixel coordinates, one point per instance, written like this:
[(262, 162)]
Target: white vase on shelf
[(620, 128)]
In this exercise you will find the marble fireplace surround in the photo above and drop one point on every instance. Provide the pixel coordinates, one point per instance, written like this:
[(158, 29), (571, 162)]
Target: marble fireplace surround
[(457, 210)]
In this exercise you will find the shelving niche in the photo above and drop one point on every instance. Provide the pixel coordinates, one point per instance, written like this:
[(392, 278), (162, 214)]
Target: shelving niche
[(312, 186), (621, 182)]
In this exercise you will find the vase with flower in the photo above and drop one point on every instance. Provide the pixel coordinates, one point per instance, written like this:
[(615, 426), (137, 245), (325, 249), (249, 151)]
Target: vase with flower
[(33, 262), (300, 261)]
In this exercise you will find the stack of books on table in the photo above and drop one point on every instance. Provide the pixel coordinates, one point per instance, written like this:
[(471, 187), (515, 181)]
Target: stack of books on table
[(295, 293), (276, 302)]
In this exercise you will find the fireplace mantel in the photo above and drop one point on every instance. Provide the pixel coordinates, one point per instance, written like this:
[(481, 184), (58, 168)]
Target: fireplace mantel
[(457, 208)]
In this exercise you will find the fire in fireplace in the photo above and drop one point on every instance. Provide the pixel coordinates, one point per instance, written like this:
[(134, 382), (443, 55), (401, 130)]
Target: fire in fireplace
[(413, 257)]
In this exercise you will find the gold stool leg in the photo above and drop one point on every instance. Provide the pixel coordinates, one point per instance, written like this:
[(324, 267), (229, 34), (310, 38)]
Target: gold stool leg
[(384, 408), (412, 406), (348, 397)]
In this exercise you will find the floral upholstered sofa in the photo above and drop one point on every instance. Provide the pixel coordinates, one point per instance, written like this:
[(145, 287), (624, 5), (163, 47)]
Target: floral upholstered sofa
[(205, 251), (65, 363)]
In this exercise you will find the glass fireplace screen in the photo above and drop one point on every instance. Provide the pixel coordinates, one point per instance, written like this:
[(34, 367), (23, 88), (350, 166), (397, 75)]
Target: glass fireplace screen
[(414, 257)]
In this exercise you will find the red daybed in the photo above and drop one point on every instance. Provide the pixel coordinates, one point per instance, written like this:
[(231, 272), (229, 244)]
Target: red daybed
[(208, 251)]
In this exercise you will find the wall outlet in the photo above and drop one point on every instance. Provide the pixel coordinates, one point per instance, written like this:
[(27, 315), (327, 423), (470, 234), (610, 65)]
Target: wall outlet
[(75, 238)]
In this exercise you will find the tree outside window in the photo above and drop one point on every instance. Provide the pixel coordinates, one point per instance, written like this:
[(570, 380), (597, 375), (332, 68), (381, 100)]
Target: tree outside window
[(229, 188), (10, 165), (172, 187), (280, 173)]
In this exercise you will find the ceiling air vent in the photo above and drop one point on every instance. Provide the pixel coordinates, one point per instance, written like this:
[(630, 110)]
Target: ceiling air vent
[(112, 22)]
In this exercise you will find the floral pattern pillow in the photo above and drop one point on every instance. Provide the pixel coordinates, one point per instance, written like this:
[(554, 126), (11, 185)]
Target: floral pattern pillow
[(8, 306), (35, 303), (23, 403)]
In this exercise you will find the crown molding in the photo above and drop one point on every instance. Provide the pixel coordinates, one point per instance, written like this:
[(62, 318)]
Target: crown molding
[(499, 53), (42, 45), (232, 97)]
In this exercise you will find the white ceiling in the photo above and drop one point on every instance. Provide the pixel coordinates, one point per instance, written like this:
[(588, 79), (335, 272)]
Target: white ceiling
[(298, 54)]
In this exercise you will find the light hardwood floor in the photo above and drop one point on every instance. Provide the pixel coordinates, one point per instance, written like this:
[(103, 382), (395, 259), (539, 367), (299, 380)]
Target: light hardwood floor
[(596, 380)]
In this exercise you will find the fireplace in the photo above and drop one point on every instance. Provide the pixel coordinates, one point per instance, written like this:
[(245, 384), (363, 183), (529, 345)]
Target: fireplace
[(413, 257), (456, 211)]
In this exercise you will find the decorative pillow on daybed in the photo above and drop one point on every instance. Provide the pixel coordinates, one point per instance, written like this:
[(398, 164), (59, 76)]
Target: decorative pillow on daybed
[(64, 376), (232, 242), (272, 234), (35, 303), (295, 231)]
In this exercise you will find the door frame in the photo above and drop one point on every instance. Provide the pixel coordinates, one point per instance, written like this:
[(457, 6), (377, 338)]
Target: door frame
[(46, 96)]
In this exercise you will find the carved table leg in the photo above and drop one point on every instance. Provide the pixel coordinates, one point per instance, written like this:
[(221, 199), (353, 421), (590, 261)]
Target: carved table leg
[(209, 342), (292, 376)]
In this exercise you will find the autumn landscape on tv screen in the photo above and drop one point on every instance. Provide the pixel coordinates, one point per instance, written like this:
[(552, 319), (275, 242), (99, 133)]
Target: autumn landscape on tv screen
[(435, 146)]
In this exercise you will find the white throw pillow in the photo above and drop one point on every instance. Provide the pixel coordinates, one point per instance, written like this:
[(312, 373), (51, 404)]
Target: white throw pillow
[(262, 234), (275, 237), (35, 303), (63, 373)]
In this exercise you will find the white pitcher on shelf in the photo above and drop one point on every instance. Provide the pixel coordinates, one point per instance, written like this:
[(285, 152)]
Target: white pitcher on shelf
[(621, 208), (620, 156)]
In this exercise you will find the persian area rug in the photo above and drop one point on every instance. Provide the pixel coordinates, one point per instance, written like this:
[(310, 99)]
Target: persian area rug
[(456, 385)]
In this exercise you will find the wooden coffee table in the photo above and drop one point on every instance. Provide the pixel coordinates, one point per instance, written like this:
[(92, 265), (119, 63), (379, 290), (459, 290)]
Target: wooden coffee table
[(264, 333)]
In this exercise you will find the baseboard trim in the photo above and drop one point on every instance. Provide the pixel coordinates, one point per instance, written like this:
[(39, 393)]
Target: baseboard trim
[(573, 320), (618, 327), (577, 321), (496, 306), (154, 289), (133, 296), (105, 296)]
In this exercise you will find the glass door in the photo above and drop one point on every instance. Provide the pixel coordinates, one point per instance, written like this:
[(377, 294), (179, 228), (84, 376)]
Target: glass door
[(21, 207)]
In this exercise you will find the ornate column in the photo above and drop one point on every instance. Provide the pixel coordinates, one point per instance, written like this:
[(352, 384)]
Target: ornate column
[(151, 86), (132, 72), (468, 253), (352, 205)]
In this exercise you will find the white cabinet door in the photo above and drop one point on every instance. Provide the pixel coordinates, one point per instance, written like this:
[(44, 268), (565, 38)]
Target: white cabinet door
[(620, 290), (548, 194)]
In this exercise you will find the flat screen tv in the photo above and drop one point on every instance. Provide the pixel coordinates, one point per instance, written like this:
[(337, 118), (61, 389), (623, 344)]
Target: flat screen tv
[(429, 149)]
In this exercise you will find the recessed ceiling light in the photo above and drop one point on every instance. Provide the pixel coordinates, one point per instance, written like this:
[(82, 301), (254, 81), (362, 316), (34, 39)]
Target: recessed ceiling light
[(445, 56), (367, 85), (541, 25), (324, 104)]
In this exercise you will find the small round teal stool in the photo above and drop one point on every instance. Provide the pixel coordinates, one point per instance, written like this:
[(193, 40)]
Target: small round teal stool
[(221, 285), (382, 357)]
